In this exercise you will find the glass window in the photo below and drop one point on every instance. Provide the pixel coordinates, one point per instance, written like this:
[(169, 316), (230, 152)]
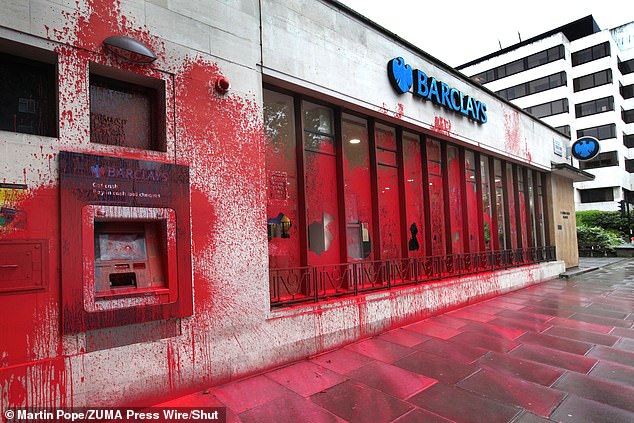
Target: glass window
[(357, 188), (532, 61), (510, 188), (599, 132), (539, 209), (472, 201), (531, 206), (596, 195), (436, 198), (486, 203), (126, 114), (535, 86), (521, 209), (28, 96), (388, 190), (626, 67), (594, 106), (607, 159), (593, 80), (281, 173), (591, 53), (499, 203), (549, 109), (628, 116), (414, 199), (322, 208), (564, 129), (627, 91), (318, 128), (454, 173), (628, 140)]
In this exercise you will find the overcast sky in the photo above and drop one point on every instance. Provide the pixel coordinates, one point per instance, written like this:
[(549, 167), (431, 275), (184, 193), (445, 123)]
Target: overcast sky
[(458, 31)]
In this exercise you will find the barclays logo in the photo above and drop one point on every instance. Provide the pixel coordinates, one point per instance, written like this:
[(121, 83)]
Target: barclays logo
[(585, 148), (404, 79), (400, 75)]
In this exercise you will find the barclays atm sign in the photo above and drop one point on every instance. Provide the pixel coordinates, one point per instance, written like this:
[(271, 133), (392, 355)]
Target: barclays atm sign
[(404, 79)]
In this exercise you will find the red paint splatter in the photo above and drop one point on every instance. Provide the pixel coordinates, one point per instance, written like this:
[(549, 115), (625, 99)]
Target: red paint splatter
[(442, 126), (512, 140)]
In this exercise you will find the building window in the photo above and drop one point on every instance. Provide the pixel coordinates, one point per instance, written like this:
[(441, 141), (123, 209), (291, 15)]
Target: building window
[(534, 60), (607, 159), (593, 80), (629, 165), (533, 87), (352, 203), (627, 91), (564, 129), (591, 53), (127, 114), (627, 116), (596, 195), (628, 140), (28, 95), (549, 109), (603, 132), (594, 106), (626, 67)]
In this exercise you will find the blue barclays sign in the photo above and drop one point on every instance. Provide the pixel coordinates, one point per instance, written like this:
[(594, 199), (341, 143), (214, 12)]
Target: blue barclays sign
[(404, 78), (585, 148)]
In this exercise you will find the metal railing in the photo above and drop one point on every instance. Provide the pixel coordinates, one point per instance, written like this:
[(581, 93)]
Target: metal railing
[(317, 283)]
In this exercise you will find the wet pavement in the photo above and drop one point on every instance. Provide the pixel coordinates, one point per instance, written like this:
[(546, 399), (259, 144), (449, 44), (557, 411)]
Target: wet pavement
[(562, 351)]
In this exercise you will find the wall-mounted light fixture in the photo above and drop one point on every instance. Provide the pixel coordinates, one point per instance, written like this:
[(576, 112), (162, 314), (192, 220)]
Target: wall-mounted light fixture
[(129, 49)]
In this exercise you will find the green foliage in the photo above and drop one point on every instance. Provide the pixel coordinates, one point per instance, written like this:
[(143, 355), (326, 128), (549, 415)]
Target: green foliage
[(608, 220), (597, 238)]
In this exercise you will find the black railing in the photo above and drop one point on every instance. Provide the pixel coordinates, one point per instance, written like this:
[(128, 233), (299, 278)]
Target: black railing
[(318, 283)]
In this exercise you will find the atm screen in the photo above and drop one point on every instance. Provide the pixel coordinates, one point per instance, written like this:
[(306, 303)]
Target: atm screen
[(119, 242)]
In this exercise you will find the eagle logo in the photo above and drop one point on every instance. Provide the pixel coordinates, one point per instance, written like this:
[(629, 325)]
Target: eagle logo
[(400, 75), (585, 148)]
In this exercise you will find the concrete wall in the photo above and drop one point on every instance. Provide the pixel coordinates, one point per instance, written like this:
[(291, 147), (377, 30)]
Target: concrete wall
[(233, 331)]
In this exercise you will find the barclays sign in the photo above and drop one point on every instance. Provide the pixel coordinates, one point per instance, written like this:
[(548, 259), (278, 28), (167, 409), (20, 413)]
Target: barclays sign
[(404, 79)]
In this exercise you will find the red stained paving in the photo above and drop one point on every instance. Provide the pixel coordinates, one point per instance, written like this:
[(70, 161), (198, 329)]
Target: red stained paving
[(561, 344), (579, 335), (515, 367), (449, 350), (380, 350), (392, 380), (498, 386), (342, 361), (433, 329), (514, 358), (306, 378)]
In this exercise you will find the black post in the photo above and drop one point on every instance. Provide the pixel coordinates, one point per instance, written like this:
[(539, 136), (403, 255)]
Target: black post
[(629, 225)]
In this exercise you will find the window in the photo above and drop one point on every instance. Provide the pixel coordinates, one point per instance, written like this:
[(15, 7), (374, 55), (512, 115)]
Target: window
[(28, 99), (628, 140), (593, 80), (127, 114), (629, 165), (596, 195), (627, 116), (353, 203), (517, 66), (626, 67), (548, 109), (564, 129), (607, 159), (627, 91), (594, 106), (599, 132), (535, 86), (591, 53)]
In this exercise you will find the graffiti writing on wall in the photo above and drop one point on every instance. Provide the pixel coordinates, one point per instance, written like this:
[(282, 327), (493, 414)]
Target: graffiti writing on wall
[(11, 216)]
